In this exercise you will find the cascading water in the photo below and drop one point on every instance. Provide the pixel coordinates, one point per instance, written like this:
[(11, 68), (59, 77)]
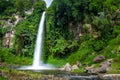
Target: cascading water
[(38, 47), (37, 62)]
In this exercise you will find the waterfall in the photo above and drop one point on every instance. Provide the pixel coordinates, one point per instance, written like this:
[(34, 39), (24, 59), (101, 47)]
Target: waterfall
[(38, 47), (37, 62)]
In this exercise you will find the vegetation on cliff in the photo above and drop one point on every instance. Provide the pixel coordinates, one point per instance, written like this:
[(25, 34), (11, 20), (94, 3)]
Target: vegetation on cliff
[(75, 30)]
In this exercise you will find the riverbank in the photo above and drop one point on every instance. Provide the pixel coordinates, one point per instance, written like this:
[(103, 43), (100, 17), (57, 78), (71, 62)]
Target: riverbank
[(6, 74), (8, 71)]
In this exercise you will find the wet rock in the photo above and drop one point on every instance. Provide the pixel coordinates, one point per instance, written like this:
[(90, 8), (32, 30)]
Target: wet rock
[(98, 59)]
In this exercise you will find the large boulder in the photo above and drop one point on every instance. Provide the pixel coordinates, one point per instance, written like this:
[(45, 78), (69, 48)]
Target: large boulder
[(95, 70), (103, 67), (106, 64), (98, 59), (67, 67)]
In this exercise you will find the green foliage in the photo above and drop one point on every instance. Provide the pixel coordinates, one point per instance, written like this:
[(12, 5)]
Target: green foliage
[(39, 6), (26, 30), (113, 47), (4, 4), (64, 20), (102, 25), (2, 78), (64, 14), (2, 32), (81, 55), (116, 30), (7, 57), (56, 62), (4, 55)]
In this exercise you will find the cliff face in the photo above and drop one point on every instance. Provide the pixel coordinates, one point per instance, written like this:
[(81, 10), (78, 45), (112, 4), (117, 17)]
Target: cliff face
[(8, 36), (80, 30), (11, 13), (10, 25), (8, 39)]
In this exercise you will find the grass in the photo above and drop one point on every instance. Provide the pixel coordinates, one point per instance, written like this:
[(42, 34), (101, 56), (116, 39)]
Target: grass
[(2, 78), (7, 57), (115, 65), (86, 54), (18, 60), (56, 62)]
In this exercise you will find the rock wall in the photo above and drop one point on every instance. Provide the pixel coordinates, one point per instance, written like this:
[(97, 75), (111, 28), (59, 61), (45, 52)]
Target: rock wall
[(8, 36), (8, 39), (76, 29)]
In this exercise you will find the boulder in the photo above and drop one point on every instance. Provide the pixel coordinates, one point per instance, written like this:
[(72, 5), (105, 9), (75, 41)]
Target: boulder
[(103, 67), (67, 67), (106, 64), (95, 70), (100, 70), (89, 69), (98, 59), (74, 67)]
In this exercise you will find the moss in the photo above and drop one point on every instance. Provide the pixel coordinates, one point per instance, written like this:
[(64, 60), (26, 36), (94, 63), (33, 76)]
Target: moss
[(2, 78), (56, 62)]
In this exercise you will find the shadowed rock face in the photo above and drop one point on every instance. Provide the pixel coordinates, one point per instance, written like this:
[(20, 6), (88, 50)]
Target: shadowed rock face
[(7, 40)]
